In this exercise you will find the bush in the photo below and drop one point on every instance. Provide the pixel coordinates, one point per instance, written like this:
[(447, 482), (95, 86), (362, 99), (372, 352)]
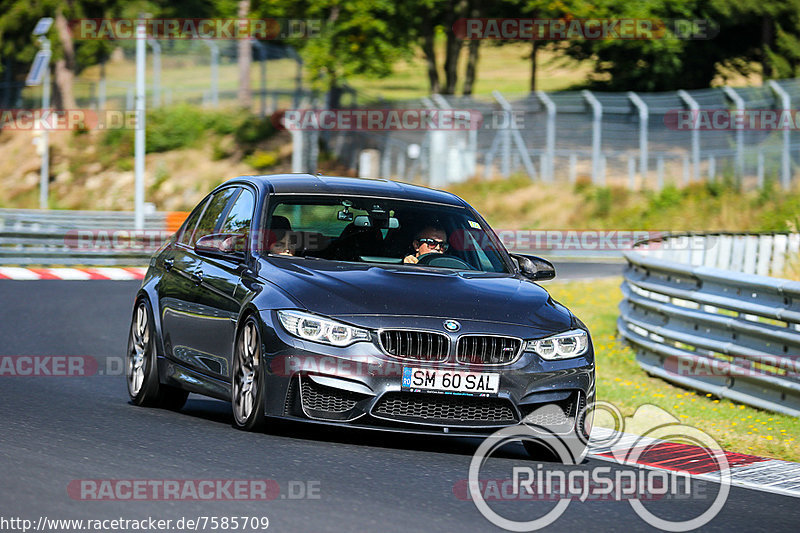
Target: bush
[(254, 129), (263, 160)]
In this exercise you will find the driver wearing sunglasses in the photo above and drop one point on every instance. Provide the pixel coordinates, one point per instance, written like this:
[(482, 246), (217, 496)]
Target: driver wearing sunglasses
[(430, 240)]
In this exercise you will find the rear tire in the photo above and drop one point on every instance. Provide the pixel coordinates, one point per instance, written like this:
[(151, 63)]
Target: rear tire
[(247, 382), (141, 368)]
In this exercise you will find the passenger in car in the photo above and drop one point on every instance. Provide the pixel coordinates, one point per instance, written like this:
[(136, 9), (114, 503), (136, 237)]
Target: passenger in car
[(430, 240), (283, 245), (279, 237)]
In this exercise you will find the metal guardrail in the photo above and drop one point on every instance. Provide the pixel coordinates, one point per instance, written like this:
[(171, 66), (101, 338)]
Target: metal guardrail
[(53, 237), (700, 316)]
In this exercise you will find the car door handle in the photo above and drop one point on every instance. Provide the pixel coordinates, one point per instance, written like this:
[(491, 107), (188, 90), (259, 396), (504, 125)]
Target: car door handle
[(168, 264), (197, 277)]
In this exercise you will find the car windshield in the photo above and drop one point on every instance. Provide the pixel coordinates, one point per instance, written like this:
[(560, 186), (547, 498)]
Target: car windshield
[(380, 230)]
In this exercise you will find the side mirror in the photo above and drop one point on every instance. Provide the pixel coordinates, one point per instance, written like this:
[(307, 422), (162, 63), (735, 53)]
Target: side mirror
[(224, 245), (534, 268)]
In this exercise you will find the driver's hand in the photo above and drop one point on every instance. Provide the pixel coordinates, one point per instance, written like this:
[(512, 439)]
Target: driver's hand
[(410, 259)]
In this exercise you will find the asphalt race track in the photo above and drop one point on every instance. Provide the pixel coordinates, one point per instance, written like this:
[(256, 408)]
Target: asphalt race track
[(54, 430)]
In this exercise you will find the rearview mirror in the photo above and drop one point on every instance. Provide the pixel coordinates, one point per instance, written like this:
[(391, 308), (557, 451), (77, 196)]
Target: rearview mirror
[(534, 268), (227, 245), (363, 221)]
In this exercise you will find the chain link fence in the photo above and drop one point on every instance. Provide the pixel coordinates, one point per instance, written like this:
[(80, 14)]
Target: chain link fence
[(633, 140), (199, 72)]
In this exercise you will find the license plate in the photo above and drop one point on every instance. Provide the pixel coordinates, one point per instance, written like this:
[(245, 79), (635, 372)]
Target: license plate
[(452, 381)]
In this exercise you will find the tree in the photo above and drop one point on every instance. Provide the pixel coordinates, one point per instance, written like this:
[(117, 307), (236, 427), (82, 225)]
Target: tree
[(18, 46), (357, 37), (245, 56)]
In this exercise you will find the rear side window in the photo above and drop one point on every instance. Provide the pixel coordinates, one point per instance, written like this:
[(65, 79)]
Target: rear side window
[(188, 227), (239, 216), (211, 217)]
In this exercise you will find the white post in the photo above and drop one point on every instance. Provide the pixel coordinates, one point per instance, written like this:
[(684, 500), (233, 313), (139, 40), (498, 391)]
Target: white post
[(141, 56), (786, 104), (695, 109), (262, 59), (738, 101), (512, 131), (644, 117), (631, 173), (597, 117), (156, 71), (550, 136), (214, 71), (44, 175)]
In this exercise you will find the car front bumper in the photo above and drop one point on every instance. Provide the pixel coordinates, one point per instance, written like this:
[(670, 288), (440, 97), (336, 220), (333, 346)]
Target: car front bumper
[(361, 385)]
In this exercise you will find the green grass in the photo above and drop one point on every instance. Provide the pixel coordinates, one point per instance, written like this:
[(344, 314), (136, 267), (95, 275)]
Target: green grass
[(519, 203), (505, 68), (621, 381)]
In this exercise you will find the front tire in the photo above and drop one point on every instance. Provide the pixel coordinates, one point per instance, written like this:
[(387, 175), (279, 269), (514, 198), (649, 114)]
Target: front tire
[(247, 386), (141, 369)]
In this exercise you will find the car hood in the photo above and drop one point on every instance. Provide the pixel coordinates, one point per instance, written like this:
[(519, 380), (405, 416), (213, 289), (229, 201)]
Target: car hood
[(346, 290)]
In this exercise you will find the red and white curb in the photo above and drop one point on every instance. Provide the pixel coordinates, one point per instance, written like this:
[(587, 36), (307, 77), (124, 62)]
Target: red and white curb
[(747, 471), (73, 274)]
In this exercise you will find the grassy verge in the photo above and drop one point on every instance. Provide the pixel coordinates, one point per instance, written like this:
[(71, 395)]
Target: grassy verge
[(518, 203), (621, 381)]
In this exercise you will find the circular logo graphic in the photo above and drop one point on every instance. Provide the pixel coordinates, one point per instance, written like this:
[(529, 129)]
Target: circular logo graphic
[(599, 481), (452, 325)]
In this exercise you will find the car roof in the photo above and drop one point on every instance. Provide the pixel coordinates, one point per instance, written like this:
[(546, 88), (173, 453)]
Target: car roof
[(309, 183)]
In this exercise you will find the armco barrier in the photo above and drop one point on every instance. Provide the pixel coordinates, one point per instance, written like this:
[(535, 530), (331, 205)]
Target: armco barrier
[(697, 313), (50, 237)]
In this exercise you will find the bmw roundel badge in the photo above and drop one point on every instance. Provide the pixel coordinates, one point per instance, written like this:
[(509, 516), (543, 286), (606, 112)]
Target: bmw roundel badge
[(452, 325)]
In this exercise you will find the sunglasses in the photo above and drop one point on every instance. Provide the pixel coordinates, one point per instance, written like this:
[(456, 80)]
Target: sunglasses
[(433, 243)]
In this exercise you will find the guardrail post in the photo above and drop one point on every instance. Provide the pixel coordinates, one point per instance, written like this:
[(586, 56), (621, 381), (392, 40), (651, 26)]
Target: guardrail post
[(262, 59), (686, 177), (214, 95), (644, 116), (550, 136), (573, 168), (512, 131), (786, 105), (738, 101), (695, 109), (597, 132), (631, 173), (712, 168)]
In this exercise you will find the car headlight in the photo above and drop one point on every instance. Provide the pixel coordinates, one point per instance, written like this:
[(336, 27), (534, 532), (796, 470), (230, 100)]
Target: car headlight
[(318, 329), (562, 346)]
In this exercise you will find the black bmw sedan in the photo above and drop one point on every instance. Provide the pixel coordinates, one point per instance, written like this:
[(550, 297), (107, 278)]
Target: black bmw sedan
[(354, 302)]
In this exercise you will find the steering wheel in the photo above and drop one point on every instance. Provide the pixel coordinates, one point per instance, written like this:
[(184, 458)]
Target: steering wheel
[(444, 261)]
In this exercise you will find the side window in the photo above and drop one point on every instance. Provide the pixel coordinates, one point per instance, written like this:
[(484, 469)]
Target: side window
[(188, 227), (209, 220), (240, 214)]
